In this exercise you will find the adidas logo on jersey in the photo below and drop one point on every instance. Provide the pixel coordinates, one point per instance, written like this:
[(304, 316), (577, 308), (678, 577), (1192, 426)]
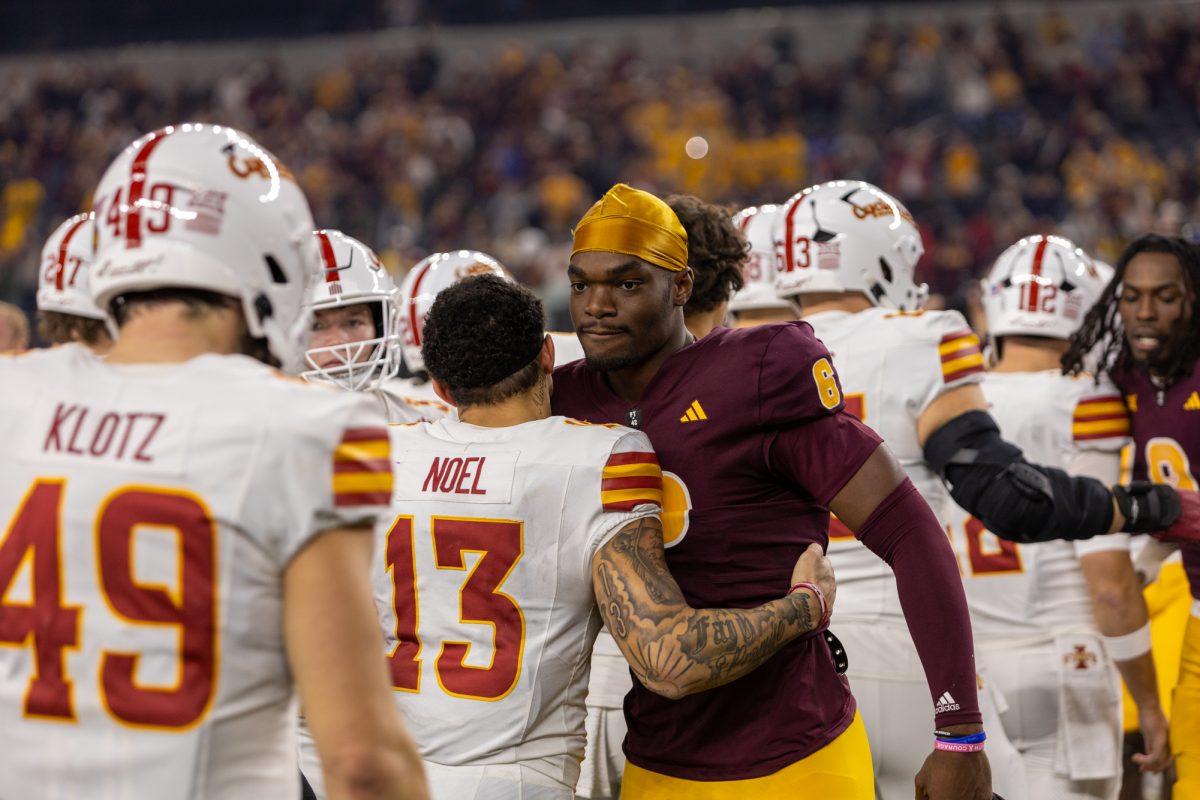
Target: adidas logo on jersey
[(694, 413), (946, 703), (1193, 402)]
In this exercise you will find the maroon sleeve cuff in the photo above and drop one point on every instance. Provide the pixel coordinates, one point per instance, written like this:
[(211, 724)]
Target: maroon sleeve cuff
[(903, 531)]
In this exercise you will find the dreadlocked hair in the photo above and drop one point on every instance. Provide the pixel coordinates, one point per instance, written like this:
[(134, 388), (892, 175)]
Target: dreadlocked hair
[(716, 250), (1102, 326)]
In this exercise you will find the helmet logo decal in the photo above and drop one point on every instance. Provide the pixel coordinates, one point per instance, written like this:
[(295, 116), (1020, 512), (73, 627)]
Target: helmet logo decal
[(209, 207)]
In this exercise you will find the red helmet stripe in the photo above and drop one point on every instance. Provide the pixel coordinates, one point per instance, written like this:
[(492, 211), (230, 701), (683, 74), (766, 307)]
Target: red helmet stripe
[(1038, 255), (787, 245), (746, 219), (137, 187), (62, 252), (412, 304), (328, 257)]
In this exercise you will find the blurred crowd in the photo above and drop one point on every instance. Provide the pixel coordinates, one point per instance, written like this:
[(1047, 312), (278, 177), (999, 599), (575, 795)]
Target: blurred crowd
[(987, 132)]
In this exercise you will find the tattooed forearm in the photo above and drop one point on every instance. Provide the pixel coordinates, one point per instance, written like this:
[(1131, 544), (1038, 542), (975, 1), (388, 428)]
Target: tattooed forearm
[(675, 649)]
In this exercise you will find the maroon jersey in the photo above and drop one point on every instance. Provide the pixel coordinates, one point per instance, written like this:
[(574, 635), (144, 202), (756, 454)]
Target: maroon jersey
[(750, 431), (1166, 440)]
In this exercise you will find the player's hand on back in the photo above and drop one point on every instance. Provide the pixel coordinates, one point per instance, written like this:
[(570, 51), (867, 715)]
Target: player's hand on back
[(813, 567)]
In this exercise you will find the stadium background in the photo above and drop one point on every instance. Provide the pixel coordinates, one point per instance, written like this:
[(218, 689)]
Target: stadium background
[(419, 126)]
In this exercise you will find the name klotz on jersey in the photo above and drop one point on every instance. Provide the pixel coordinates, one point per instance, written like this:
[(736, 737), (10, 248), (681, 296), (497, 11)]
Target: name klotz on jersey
[(62, 430)]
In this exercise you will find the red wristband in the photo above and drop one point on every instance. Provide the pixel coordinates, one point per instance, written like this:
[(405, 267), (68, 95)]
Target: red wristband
[(825, 610)]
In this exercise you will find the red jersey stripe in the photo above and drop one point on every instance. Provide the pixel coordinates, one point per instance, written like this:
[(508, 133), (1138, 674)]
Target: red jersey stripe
[(620, 459), (613, 484), (366, 465), (965, 350), (950, 377), (364, 434), (343, 499)]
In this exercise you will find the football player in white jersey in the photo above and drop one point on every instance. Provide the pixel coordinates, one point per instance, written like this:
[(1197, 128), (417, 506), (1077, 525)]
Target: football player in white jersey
[(421, 286), (66, 311), (756, 302), (187, 531), (846, 253), (355, 340), (512, 529), (1051, 618)]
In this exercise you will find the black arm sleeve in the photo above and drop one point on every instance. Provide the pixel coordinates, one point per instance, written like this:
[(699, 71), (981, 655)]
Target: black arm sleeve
[(1016, 500)]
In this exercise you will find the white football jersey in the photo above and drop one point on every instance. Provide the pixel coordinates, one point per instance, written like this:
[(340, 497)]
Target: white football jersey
[(402, 407), (485, 588), (892, 365), (1037, 591), (150, 513)]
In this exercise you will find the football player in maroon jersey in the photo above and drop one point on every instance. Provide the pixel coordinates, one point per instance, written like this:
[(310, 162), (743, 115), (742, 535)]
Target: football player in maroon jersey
[(1147, 332), (756, 450)]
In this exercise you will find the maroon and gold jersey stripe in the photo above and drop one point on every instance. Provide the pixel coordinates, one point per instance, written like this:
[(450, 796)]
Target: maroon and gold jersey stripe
[(1100, 418), (630, 480), (960, 355), (362, 468)]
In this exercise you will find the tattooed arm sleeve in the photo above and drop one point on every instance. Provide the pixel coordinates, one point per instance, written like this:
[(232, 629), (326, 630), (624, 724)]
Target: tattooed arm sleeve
[(674, 649)]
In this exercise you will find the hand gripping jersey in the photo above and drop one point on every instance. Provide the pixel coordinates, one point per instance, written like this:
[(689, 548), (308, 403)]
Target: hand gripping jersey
[(750, 429), (1037, 591), (485, 584), (893, 365), (147, 515), (1166, 441)]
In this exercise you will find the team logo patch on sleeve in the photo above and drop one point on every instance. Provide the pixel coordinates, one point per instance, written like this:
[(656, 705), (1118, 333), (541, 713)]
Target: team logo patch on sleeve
[(362, 468), (631, 480), (1099, 418), (960, 355)]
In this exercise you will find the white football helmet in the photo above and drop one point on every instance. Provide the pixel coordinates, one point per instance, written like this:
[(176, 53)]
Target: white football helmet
[(1040, 286), (758, 270), (422, 284), (200, 206), (848, 236), (352, 275), (66, 258)]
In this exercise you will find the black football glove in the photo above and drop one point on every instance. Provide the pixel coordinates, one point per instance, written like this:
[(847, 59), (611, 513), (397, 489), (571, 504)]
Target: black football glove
[(1147, 507)]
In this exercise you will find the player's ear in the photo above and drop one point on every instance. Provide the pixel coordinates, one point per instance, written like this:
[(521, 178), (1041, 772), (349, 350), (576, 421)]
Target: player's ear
[(681, 286), (441, 391), (546, 354)]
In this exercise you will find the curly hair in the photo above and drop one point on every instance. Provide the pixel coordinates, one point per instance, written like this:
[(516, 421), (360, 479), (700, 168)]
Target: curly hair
[(482, 338), (1102, 328), (716, 250), (55, 327)]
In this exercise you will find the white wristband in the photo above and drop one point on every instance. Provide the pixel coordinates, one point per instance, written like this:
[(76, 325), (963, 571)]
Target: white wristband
[(1129, 646)]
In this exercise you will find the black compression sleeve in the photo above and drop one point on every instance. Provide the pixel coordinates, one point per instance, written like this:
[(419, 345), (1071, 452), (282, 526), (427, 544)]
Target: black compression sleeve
[(1024, 502)]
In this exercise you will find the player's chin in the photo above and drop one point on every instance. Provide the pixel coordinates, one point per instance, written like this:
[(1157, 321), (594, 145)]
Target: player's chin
[(609, 359)]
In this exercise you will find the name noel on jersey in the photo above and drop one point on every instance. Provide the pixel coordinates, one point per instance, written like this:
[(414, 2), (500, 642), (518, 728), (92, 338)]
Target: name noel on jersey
[(61, 429), (459, 477)]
